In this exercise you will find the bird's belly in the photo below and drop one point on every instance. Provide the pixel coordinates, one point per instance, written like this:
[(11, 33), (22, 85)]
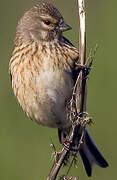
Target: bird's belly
[(44, 97), (53, 92)]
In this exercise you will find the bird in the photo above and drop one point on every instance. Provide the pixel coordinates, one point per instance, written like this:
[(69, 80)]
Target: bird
[(43, 73)]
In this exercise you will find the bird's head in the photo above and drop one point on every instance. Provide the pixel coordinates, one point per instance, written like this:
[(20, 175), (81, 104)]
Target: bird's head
[(42, 22)]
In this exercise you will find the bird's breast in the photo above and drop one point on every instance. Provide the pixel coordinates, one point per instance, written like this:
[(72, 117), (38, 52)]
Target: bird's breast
[(42, 82)]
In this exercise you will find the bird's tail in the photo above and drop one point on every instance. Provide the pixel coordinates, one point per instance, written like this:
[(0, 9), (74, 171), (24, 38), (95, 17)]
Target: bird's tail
[(91, 155), (88, 151)]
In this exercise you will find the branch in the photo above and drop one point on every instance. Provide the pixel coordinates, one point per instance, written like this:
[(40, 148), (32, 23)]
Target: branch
[(82, 33), (81, 86), (58, 161), (78, 101)]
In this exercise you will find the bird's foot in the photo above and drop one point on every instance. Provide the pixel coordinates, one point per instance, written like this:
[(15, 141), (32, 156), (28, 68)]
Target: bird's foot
[(85, 68), (66, 143), (83, 119)]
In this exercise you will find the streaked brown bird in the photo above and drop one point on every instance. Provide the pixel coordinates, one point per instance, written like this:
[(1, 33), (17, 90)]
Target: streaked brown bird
[(43, 74)]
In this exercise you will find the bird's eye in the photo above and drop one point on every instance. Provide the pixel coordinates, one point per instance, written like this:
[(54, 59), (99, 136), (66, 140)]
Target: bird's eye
[(47, 22)]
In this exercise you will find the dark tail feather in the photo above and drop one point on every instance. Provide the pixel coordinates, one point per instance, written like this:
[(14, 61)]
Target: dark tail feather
[(91, 155)]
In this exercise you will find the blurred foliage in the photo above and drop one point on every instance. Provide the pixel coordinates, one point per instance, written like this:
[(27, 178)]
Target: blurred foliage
[(25, 152)]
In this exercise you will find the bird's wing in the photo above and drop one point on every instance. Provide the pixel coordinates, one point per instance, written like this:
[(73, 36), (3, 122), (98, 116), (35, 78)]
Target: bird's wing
[(66, 41), (75, 70)]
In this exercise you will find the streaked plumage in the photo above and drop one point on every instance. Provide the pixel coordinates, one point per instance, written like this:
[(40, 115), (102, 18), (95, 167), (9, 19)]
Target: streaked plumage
[(42, 67)]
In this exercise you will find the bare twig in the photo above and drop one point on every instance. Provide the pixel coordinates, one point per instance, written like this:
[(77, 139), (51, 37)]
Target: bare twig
[(78, 102), (79, 92), (59, 159), (81, 105)]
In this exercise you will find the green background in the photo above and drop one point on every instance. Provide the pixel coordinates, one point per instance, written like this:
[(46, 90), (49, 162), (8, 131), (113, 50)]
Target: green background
[(25, 152)]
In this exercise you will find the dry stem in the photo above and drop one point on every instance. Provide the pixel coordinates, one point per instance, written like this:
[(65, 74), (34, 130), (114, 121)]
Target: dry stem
[(78, 101)]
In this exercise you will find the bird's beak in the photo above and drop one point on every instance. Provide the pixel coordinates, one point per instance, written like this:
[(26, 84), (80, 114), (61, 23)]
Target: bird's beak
[(64, 27)]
